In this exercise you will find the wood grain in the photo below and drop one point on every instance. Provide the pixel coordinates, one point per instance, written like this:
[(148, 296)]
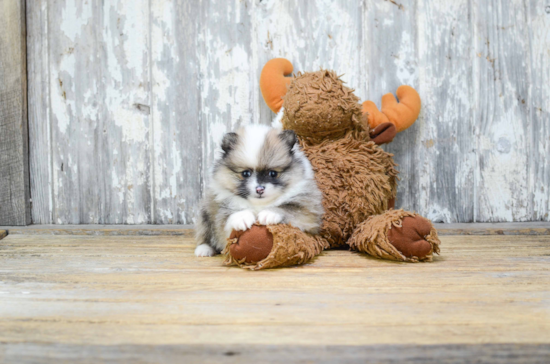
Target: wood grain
[(178, 131), (218, 353), (445, 130), (40, 148), (186, 231), (14, 162), (502, 74), (522, 228), (538, 20), (81, 293), (148, 91), (90, 90)]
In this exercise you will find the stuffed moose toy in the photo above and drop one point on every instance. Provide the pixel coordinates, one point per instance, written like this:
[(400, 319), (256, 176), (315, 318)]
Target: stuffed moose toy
[(357, 178)]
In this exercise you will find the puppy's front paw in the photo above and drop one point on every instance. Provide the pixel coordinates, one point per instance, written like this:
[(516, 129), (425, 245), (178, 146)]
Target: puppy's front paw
[(204, 250), (240, 221), (267, 217)]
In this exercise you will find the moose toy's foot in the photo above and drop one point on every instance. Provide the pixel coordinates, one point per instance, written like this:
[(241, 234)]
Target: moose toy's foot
[(272, 246), (397, 235), (409, 238), (252, 245)]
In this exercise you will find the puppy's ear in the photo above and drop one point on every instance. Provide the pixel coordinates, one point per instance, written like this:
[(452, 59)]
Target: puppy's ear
[(289, 137), (229, 142)]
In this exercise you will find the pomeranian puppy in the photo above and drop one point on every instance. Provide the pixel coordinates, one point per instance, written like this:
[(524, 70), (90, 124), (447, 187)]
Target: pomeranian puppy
[(261, 176)]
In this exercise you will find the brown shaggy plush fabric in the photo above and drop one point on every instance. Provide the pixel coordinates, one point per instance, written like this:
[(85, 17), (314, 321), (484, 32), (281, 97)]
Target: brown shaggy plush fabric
[(357, 179), (318, 107), (371, 237), (291, 246)]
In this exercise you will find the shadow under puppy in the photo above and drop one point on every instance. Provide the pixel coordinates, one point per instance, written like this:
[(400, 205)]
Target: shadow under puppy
[(262, 177)]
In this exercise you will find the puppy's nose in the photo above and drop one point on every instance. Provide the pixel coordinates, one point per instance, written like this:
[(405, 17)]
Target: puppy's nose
[(260, 190)]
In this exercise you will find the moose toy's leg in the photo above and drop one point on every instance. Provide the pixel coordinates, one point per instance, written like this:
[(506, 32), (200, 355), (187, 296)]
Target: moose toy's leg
[(396, 235), (272, 246)]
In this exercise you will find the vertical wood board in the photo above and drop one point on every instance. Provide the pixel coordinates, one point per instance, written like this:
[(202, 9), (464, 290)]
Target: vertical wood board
[(14, 162)]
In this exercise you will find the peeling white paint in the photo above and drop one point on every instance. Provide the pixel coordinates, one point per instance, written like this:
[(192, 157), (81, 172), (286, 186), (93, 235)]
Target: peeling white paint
[(406, 71), (132, 125), (439, 214), (141, 97), (75, 15), (63, 107), (135, 34)]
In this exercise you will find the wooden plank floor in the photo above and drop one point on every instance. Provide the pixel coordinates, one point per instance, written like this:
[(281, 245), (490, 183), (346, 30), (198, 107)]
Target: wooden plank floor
[(70, 298), (498, 228)]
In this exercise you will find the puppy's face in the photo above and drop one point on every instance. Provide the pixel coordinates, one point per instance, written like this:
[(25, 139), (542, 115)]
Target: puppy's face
[(258, 164)]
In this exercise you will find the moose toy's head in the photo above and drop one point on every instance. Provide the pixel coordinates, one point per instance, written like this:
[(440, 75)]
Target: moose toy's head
[(318, 106)]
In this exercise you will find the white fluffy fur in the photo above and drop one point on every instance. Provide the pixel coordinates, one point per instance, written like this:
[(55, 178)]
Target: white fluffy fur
[(253, 140), (240, 221), (277, 122), (267, 217), (205, 250)]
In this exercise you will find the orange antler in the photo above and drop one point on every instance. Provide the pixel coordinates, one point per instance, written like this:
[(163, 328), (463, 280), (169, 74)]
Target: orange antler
[(273, 82), (402, 114)]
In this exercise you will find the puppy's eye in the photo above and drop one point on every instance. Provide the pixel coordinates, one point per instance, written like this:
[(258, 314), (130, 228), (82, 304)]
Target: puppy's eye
[(273, 174), (246, 174)]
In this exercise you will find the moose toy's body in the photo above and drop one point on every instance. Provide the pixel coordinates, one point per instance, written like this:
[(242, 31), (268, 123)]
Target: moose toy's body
[(357, 178)]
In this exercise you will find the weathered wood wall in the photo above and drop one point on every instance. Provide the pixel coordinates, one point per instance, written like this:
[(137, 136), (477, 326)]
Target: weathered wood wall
[(128, 99), (14, 154)]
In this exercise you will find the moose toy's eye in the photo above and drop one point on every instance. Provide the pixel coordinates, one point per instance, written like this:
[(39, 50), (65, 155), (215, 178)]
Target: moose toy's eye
[(273, 174), (246, 174)]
